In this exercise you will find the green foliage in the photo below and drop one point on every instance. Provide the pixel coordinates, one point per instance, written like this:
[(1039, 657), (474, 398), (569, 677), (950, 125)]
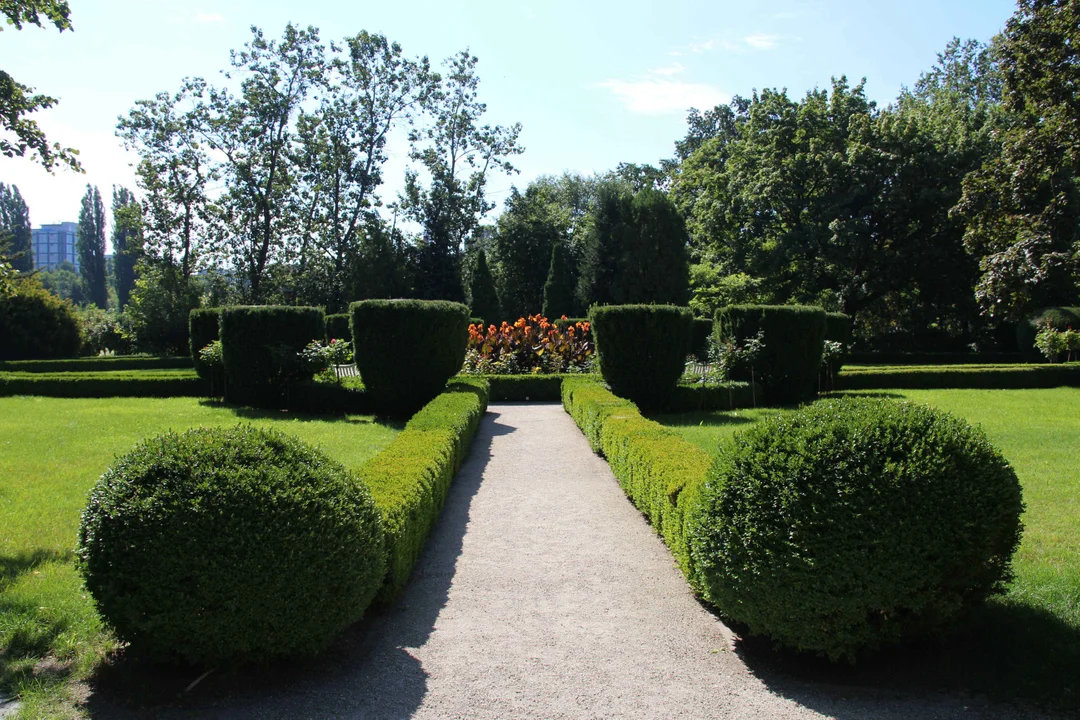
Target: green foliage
[(34, 324), (659, 471), (410, 478), (126, 241), (483, 299), (530, 226), (559, 295), (15, 229), (104, 384), (854, 523), (337, 327), (642, 349), (90, 244), (406, 350), (99, 364), (700, 333), (535, 388), (1058, 318), (793, 338), (1012, 375), (261, 347), (204, 327), (697, 396), (230, 545), (530, 345), (159, 309), (102, 332)]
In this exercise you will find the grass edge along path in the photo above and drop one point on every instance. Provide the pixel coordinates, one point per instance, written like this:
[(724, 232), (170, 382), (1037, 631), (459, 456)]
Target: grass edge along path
[(52, 634), (1025, 644)]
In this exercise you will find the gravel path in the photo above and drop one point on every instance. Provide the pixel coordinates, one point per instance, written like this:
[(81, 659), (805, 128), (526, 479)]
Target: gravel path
[(544, 594)]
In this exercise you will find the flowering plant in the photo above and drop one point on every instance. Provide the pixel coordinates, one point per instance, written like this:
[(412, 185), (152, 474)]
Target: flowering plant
[(530, 345), (1054, 343)]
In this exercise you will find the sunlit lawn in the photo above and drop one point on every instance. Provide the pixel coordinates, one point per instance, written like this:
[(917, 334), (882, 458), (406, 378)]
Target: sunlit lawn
[(1027, 643), (51, 452)]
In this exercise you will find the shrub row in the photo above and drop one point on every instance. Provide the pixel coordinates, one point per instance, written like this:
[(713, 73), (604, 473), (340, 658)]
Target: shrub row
[(960, 376), (660, 472), (789, 362), (260, 346), (518, 388), (699, 338), (965, 358), (642, 349), (410, 478), (134, 383), (337, 327), (98, 364), (691, 397), (36, 324)]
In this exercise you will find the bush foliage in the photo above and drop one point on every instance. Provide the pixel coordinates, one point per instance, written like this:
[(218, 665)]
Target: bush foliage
[(224, 545), (406, 350), (337, 327), (261, 348), (793, 337), (35, 324), (642, 349), (204, 327), (853, 523)]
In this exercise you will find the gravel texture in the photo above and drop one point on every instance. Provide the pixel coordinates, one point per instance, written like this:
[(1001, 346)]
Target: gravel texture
[(543, 593)]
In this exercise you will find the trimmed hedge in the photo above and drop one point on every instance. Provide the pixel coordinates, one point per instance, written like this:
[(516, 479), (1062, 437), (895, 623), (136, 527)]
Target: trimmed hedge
[(966, 358), (406, 350), (794, 336), (230, 545), (660, 472), (411, 477), (260, 344), (838, 328), (568, 322), (535, 388), (692, 397), (99, 364), (204, 327), (854, 523), (699, 339), (337, 327), (132, 383), (959, 376), (36, 324), (642, 349)]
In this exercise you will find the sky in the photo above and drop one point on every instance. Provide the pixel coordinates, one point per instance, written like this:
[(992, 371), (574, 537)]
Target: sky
[(593, 82)]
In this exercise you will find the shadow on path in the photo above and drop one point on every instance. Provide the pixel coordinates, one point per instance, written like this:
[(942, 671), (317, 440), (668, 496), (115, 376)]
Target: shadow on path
[(367, 672)]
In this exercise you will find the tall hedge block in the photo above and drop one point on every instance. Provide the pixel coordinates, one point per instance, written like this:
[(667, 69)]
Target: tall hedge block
[(260, 345), (204, 327), (642, 349), (337, 327), (794, 336), (406, 350)]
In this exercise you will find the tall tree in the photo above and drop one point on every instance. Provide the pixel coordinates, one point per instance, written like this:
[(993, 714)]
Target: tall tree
[(526, 231), (458, 154), (15, 227), (1022, 207), (652, 265), (90, 244), (18, 100), (126, 241), (483, 298), (605, 242), (559, 296)]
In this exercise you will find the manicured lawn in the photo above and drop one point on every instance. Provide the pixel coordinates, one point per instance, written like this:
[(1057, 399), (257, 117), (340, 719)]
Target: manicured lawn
[(52, 450), (1025, 644)]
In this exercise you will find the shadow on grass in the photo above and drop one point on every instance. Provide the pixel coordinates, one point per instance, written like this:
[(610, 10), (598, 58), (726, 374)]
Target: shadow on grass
[(250, 413), (14, 566), (705, 418), (367, 672), (1005, 652)]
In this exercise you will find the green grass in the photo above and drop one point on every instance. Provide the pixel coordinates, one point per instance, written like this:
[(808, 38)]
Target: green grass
[(52, 450), (1025, 644)]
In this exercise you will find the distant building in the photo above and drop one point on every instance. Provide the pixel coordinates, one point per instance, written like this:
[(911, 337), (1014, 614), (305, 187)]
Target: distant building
[(53, 244)]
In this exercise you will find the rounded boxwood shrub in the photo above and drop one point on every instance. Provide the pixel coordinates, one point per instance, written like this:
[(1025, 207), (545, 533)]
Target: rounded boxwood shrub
[(855, 522), (642, 350), (37, 325), (260, 346), (794, 336), (406, 350), (204, 327), (230, 545)]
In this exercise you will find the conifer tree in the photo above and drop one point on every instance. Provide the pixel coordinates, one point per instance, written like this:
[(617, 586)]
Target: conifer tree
[(90, 244), (485, 300), (559, 288), (15, 228)]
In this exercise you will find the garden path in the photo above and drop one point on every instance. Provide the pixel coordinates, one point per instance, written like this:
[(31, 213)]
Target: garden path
[(543, 593)]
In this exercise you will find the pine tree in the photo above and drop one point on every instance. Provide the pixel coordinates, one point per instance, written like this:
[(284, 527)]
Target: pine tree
[(604, 245), (90, 243), (127, 228), (485, 300), (15, 228), (559, 288)]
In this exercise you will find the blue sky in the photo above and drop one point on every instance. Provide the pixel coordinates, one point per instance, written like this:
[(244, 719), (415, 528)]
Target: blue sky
[(593, 83)]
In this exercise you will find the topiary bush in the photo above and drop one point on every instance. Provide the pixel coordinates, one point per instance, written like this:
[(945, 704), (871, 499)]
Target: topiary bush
[(261, 348), (230, 545), (642, 350), (854, 523), (35, 324), (337, 327), (204, 327), (788, 363), (406, 350)]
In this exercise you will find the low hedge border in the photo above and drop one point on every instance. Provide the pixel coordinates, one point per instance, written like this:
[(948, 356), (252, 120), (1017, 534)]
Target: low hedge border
[(535, 388), (691, 397), (180, 383), (98, 364), (660, 472), (988, 377), (894, 358), (410, 478)]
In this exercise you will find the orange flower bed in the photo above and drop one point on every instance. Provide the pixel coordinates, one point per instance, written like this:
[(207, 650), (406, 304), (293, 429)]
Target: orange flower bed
[(531, 345)]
